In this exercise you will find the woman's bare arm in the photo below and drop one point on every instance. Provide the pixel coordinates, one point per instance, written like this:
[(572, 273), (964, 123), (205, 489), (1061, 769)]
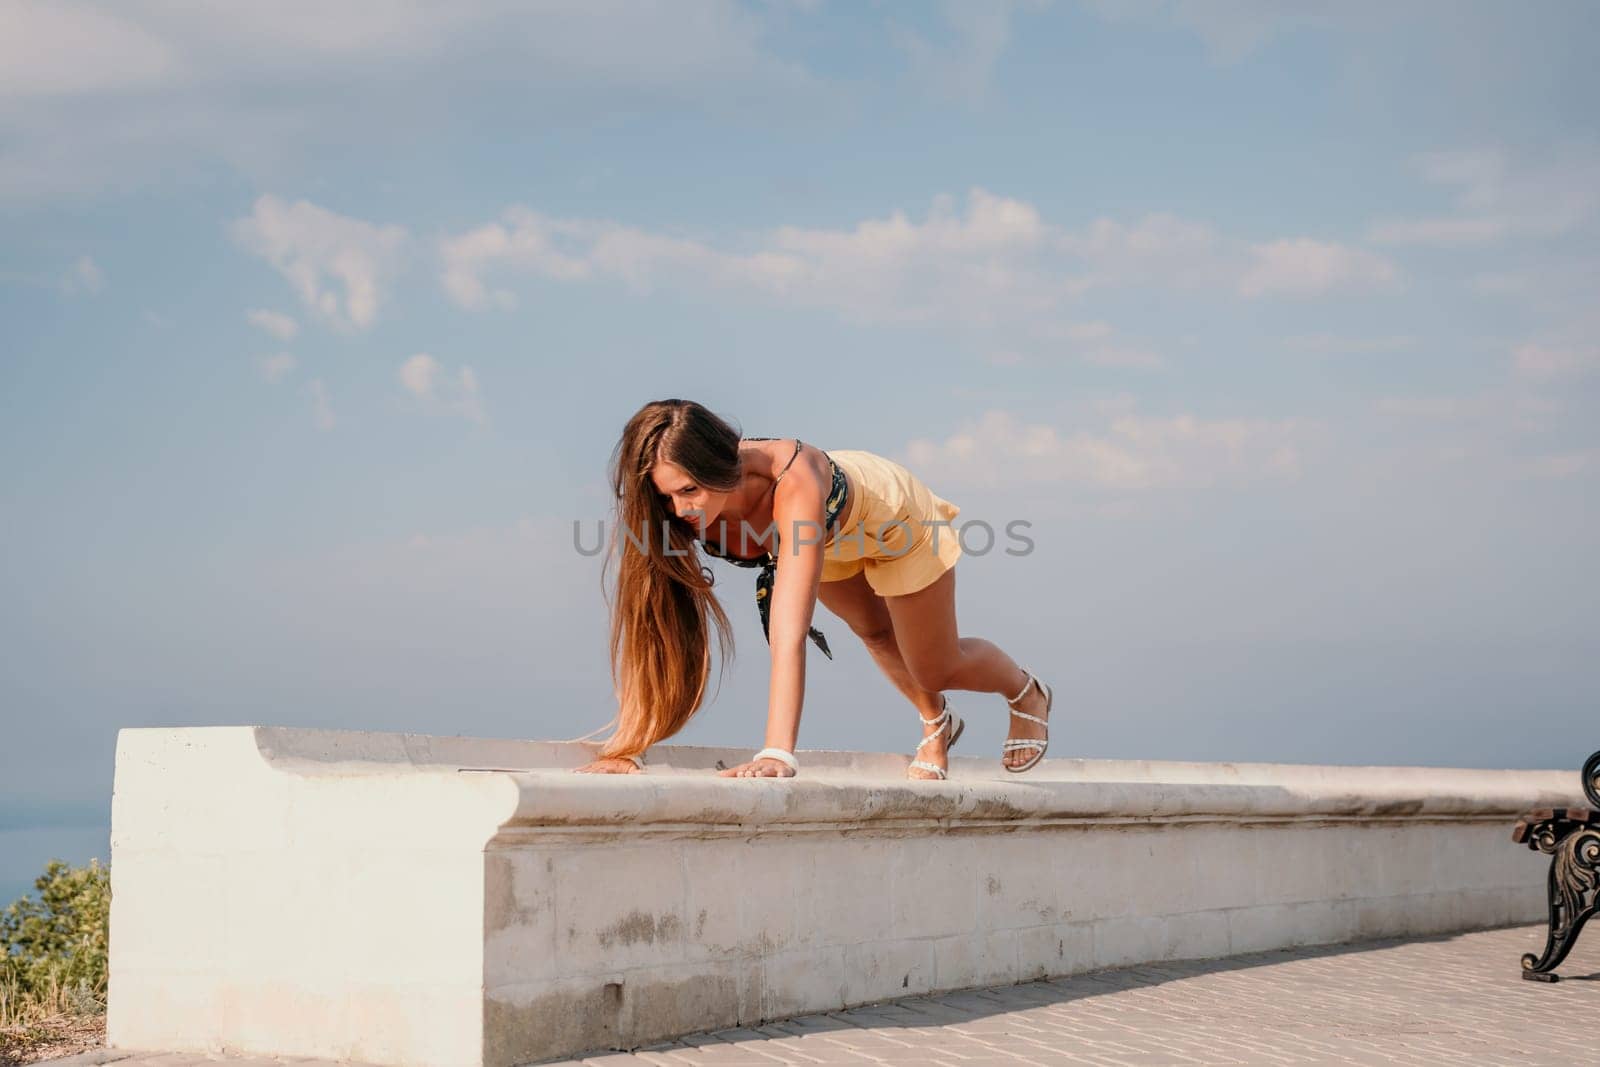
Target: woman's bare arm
[(798, 509)]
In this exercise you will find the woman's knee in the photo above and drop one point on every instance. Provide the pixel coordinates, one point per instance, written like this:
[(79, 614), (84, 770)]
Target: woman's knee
[(862, 609), (930, 674), (877, 637)]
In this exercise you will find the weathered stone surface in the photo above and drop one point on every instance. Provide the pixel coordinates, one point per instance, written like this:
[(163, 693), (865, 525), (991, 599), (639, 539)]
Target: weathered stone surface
[(373, 897), (1457, 999)]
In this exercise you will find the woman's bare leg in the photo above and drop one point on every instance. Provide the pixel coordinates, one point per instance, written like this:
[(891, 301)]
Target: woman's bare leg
[(867, 615), (938, 658)]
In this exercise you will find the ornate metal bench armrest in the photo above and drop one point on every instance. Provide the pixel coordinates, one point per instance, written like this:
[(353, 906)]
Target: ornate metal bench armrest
[(1571, 837)]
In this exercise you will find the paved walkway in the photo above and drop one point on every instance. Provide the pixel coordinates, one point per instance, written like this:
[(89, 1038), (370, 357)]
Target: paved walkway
[(1453, 999)]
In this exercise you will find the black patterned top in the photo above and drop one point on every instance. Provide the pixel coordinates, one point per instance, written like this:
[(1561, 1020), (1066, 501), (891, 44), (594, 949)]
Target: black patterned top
[(838, 496)]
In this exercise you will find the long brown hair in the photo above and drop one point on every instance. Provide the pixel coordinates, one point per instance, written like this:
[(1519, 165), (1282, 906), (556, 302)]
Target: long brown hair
[(664, 606)]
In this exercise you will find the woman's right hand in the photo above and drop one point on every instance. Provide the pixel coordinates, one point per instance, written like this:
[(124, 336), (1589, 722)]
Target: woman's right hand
[(609, 765)]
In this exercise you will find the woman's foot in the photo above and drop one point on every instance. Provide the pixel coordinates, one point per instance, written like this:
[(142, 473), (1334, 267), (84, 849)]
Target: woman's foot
[(1033, 701), (939, 732)]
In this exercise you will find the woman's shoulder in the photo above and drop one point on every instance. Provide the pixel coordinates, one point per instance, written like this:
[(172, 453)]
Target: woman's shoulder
[(804, 489)]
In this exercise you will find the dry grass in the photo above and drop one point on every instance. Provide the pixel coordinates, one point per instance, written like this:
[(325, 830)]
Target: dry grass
[(53, 966), (51, 1036), (46, 1023)]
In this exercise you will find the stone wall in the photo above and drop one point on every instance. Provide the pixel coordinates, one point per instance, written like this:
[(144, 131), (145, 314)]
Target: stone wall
[(406, 899)]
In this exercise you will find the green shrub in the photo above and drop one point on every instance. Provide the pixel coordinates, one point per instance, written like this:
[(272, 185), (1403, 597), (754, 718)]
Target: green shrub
[(53, 945)]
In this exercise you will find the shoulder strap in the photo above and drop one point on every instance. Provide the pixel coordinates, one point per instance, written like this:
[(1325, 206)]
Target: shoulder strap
[(786, 466)]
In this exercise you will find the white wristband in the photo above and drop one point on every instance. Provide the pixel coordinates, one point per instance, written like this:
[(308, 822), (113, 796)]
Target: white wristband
[(786, 758), (637, 761)]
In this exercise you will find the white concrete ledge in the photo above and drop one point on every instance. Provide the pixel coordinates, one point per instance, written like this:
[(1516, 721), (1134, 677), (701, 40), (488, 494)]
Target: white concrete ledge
[(411, 899)]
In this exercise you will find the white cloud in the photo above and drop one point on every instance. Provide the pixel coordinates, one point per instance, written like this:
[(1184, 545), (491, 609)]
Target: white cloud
[(1444, 408), (469, 400), (998, 263), (1540, 362), (1489, 424), (423, 378), (275, 323), (85, 276), (125, 93), (55, 49), (1230, 29), (1440, 232), (1303, 267), (321, 406), (321, 252), (1119, 403), (1095, 343), (417, 375), (1084, 331), (1133, 452), (276, 366), (1325, 343), (1124, 356), (1558, 292), (1498, 196), (1562, 464), (1159, 248), (960, 69)]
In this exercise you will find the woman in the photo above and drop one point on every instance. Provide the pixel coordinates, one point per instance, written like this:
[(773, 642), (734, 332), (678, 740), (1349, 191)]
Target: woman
[(851, 528)]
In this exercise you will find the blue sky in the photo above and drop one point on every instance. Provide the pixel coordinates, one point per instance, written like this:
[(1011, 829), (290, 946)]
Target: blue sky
[(1277, 324)]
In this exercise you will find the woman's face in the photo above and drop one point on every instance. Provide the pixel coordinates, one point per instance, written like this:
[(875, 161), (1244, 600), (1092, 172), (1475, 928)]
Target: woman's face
[(688, 500)]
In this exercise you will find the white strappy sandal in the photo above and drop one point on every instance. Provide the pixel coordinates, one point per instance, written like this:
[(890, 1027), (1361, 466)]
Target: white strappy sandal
[(942, 720), (1040, 743)]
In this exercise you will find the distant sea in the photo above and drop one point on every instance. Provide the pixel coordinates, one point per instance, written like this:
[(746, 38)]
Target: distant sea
[(24, 853)]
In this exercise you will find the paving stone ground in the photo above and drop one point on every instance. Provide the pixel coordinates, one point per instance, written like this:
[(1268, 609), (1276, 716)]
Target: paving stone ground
[(1453, 999)]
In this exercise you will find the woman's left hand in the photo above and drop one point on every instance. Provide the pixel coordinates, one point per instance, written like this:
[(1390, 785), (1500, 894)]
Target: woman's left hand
[(760, 768)]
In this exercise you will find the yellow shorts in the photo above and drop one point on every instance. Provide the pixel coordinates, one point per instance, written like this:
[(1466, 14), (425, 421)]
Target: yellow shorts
[(895, 529)]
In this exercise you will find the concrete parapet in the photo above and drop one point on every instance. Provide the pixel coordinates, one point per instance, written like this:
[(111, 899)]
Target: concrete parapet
[(421, 900)]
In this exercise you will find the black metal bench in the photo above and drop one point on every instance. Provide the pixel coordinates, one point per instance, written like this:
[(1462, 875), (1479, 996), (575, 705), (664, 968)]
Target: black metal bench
[(1571, 838)]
